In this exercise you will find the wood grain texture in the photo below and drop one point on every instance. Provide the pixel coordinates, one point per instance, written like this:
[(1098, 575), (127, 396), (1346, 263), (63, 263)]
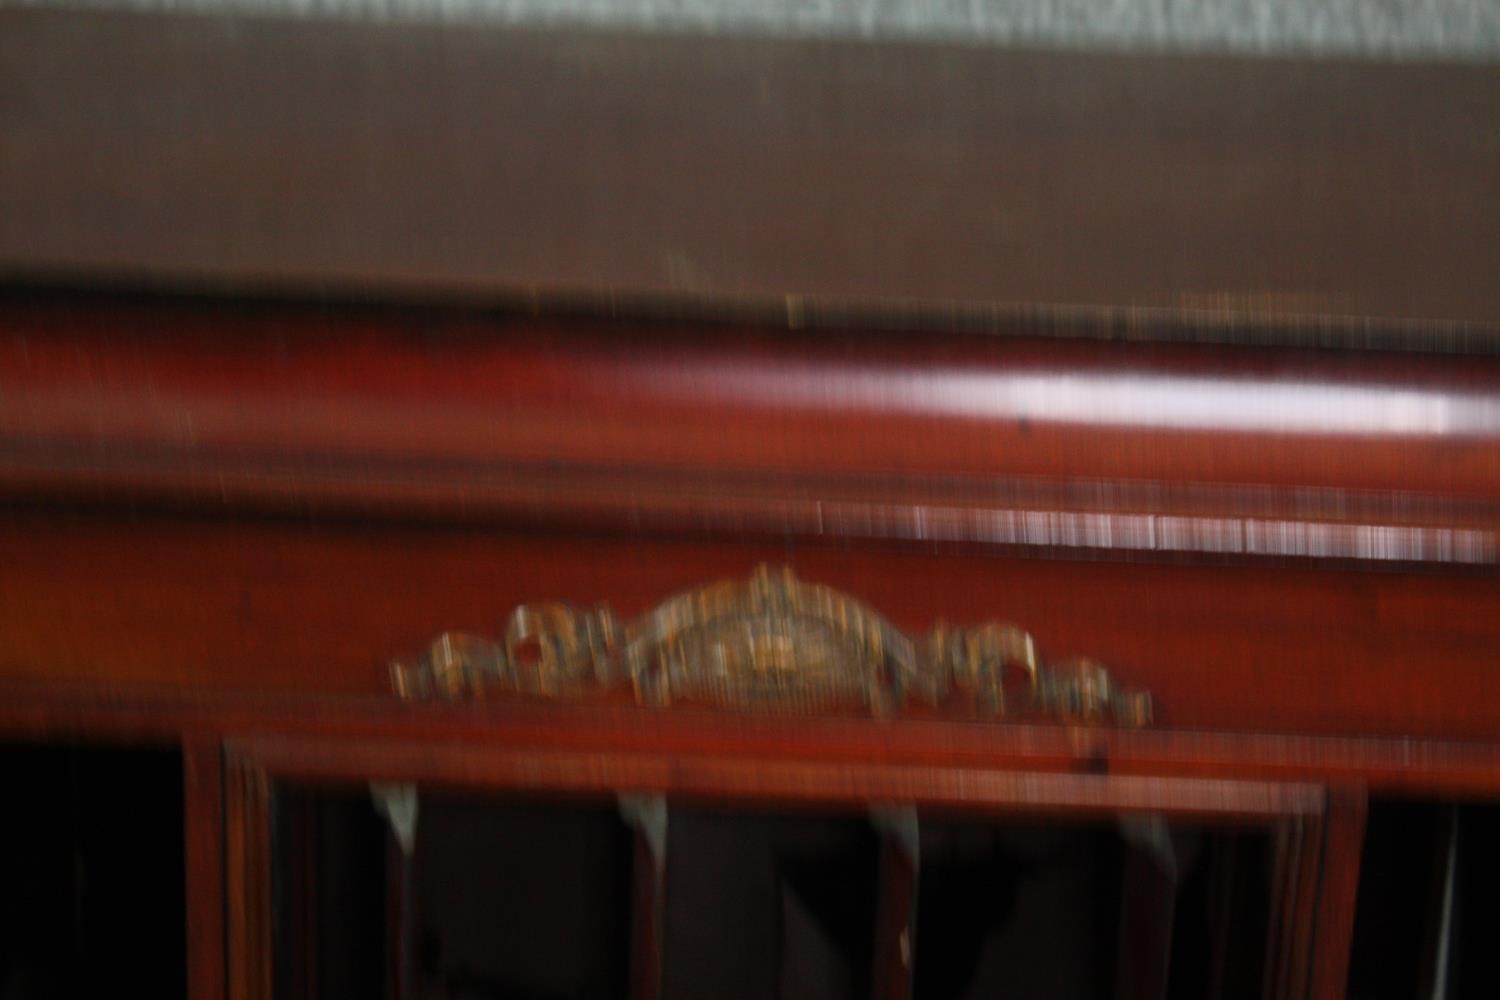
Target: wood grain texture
[(287, 608), (746, 778), (203, 863), (1237, 191), (1287, 841), (1403, 766), (248, 887), (1388, 766), (1127, 450), (1344, 839), (1299, 926)]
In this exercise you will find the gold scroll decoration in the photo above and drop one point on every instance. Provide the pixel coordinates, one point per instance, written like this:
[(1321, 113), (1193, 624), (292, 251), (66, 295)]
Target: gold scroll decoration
[(771, 642)]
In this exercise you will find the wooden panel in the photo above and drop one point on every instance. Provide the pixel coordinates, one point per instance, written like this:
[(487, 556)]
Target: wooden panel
[(203, 863), (1343, 847), (1406, 766), (1139, 451), (189, 380), (1236, 190), (1297, 872), (744, 778), (248, 891), (286, 608)]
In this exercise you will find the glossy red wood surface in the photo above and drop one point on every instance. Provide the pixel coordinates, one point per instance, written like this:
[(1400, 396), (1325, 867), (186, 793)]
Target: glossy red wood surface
[(278, 475), (1073, 446), (203, 864), (293, 608), (1344, 839), (134, 714), (460, 386), (740, 778)]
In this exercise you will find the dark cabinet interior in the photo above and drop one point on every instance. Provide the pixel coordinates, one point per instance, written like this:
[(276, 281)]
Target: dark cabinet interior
[(769, 904), (520, 899), (1429, 904), (91, 872), (534, 896), (496, 898), (1127, 908), (518, 896)]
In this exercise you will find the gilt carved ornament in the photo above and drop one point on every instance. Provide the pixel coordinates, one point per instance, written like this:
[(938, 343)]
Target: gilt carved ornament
[(772, 643)]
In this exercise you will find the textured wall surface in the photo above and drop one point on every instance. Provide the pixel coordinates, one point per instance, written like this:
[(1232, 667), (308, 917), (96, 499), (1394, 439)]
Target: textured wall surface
[(1449, 29)]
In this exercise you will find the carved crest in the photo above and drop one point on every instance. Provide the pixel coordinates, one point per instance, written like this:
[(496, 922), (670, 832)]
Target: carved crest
[(771, 642)]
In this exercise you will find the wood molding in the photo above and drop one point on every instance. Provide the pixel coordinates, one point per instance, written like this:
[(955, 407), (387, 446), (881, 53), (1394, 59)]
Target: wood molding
[(1130, 451), (1384, 766), (248, 878)]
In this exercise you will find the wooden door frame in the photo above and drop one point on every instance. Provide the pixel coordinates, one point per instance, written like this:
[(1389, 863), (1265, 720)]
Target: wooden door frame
[(1320, 830)]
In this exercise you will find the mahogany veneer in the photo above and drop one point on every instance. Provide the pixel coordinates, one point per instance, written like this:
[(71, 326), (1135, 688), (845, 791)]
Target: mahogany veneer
[(1187, 365)]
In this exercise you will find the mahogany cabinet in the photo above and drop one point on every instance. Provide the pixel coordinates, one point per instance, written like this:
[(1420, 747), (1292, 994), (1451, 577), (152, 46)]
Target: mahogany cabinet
[(544, 514)]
